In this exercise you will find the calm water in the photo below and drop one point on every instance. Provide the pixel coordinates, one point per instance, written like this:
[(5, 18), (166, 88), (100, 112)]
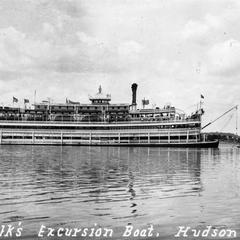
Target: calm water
[(113, 187)]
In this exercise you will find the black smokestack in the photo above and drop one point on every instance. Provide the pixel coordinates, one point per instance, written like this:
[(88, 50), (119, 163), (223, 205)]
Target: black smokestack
[(134, 94)]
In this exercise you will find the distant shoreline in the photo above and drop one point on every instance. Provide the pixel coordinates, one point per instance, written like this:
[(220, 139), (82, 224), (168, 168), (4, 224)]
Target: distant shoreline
[(223, 137)]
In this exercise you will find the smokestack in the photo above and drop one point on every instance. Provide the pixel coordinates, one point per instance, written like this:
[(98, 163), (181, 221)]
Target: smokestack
[(134, 94)]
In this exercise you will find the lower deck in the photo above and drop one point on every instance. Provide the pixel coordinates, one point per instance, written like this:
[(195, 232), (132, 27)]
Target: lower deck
[(39, 137)]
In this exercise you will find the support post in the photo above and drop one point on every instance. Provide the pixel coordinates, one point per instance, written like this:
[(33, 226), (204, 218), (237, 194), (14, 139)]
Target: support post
[(61, 138), (119, 137), (187, 136), (33, 137), (90, 137), (148, 137), (168, 137), (0, 137)]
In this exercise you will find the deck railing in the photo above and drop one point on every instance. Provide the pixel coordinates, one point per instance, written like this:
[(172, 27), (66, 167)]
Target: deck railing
[(102, 123), (69, 137)]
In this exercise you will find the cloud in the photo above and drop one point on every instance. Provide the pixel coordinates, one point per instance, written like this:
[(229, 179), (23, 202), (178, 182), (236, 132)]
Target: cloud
[(10, 47), (194, 29), (84, 38), (201, 31), (82, 53), (129, 48), (19, 52), (69, 7), (224, 58)]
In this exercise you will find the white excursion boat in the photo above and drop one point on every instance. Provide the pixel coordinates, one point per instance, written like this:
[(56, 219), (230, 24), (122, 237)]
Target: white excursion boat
[(102, 123)]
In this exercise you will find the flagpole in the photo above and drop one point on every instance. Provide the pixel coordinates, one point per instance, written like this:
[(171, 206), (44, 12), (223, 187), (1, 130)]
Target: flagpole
[(200, 104), (18, 111), (35, 97), (237, 120)]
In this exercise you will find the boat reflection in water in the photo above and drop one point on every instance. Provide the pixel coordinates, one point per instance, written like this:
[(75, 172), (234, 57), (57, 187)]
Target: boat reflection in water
[(115, 186)]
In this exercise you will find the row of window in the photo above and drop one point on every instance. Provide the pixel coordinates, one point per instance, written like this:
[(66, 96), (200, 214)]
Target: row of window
[(81, 107), (102, 138), (99, 127)]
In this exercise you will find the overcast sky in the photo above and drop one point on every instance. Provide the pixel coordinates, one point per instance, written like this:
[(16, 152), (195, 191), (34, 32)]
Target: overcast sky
[(174, 50)]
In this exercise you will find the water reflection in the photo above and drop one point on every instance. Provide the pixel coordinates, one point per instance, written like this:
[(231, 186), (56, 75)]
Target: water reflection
[(116, 186)]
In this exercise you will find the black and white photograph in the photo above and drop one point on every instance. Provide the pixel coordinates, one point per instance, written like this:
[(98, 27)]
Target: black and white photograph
[(119, 119)]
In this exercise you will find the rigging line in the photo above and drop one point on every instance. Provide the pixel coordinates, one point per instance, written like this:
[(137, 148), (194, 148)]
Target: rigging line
[(227, 122), (235, 107)]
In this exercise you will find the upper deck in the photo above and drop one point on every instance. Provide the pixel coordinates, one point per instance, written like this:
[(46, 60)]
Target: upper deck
[(139, 126), (99, 111)]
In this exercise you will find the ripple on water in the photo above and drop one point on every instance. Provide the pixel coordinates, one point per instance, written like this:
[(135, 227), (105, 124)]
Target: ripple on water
[(114, 186)]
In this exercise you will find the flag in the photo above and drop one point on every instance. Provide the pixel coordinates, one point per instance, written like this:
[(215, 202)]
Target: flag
[(202, 96), (26, 100), (15, 100), (145, 102)]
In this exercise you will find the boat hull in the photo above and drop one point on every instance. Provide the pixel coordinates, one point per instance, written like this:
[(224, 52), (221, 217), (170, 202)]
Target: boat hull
[(206, 144)]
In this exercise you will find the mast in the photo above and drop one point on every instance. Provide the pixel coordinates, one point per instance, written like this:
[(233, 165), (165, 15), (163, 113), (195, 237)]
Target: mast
[(35, 96)]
